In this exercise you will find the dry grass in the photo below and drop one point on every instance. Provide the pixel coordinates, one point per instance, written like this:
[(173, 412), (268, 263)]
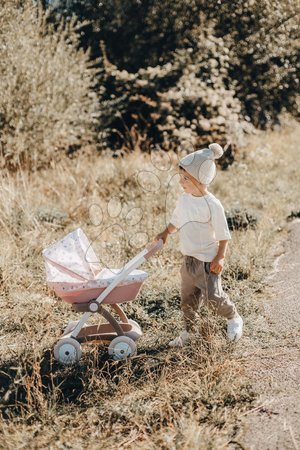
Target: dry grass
[(191, 398)]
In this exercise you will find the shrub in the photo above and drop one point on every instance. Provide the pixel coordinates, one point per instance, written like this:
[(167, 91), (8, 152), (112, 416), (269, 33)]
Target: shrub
[(263, 35), (192, 70), (48, 104), (190, 100)]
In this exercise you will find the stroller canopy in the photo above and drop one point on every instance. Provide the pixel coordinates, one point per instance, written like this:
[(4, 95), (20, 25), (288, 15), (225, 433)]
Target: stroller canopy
[(71, 263), (71, 258)]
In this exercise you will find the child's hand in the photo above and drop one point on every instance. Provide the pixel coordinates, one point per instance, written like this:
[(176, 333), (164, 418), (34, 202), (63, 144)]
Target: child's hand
[(216, 266), (169, 229), (162, 236)]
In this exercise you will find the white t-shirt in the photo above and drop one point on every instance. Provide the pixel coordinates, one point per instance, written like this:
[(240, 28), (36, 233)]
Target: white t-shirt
[(202, 224)]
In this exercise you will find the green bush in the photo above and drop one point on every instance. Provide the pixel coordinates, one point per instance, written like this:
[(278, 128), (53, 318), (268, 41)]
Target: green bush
[(264, 38), (191, 70), (163, 74)]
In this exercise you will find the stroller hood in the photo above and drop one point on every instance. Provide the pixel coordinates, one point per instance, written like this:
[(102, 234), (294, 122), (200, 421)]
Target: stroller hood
[(71, 259)]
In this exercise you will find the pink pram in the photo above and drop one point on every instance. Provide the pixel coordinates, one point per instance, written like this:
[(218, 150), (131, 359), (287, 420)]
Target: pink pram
[(74, 273)]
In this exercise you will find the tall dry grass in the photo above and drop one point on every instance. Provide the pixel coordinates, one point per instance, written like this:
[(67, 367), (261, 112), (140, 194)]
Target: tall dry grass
[(162, 398)]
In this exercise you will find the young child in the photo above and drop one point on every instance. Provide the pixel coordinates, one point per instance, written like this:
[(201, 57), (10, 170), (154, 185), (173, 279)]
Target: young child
[(204, 236)]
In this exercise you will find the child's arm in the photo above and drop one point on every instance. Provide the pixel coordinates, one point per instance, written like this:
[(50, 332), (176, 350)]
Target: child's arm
[(170, 229), (217, 263)]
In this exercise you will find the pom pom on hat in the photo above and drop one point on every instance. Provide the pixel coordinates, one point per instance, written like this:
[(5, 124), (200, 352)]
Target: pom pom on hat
[(216, 150), (201, 165)]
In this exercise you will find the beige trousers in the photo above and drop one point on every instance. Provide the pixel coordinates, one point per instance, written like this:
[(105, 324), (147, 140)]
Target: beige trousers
[(200, 286)]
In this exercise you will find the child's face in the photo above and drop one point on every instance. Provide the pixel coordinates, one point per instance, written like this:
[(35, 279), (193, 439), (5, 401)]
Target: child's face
[(187, 182)]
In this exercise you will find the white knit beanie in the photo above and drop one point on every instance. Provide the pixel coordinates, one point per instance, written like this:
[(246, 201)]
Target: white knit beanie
[(200, 164)]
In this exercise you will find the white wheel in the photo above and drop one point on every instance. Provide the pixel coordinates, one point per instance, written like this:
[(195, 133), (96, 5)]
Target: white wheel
[(121, 348), (70, 327), (67, 351), (136, 333), (133, 322)]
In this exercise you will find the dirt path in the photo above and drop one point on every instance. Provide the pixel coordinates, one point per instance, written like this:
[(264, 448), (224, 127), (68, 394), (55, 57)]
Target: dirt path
[(273, 363)]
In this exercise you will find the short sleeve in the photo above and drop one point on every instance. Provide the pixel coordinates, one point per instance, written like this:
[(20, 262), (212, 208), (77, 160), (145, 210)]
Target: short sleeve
[(175, 217), (219, 223)]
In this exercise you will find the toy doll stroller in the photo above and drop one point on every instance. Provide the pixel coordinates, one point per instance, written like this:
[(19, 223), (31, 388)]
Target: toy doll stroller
[(74, 273)]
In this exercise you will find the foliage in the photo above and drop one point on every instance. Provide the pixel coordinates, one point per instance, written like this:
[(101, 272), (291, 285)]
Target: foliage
[(164, 76), (47, 97), (198, 71), (265, 38)]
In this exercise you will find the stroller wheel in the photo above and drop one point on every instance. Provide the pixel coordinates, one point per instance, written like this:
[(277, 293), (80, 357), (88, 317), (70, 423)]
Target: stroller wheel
[(71, 325), (121, 348), (67, 351), (133, 322), (136, 332)]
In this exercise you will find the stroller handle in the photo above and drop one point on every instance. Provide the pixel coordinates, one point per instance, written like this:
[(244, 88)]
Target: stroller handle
[(153, 248)]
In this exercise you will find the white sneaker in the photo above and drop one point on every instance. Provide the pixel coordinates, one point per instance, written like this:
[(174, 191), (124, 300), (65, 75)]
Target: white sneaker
[(235, 328), (179, 341)]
